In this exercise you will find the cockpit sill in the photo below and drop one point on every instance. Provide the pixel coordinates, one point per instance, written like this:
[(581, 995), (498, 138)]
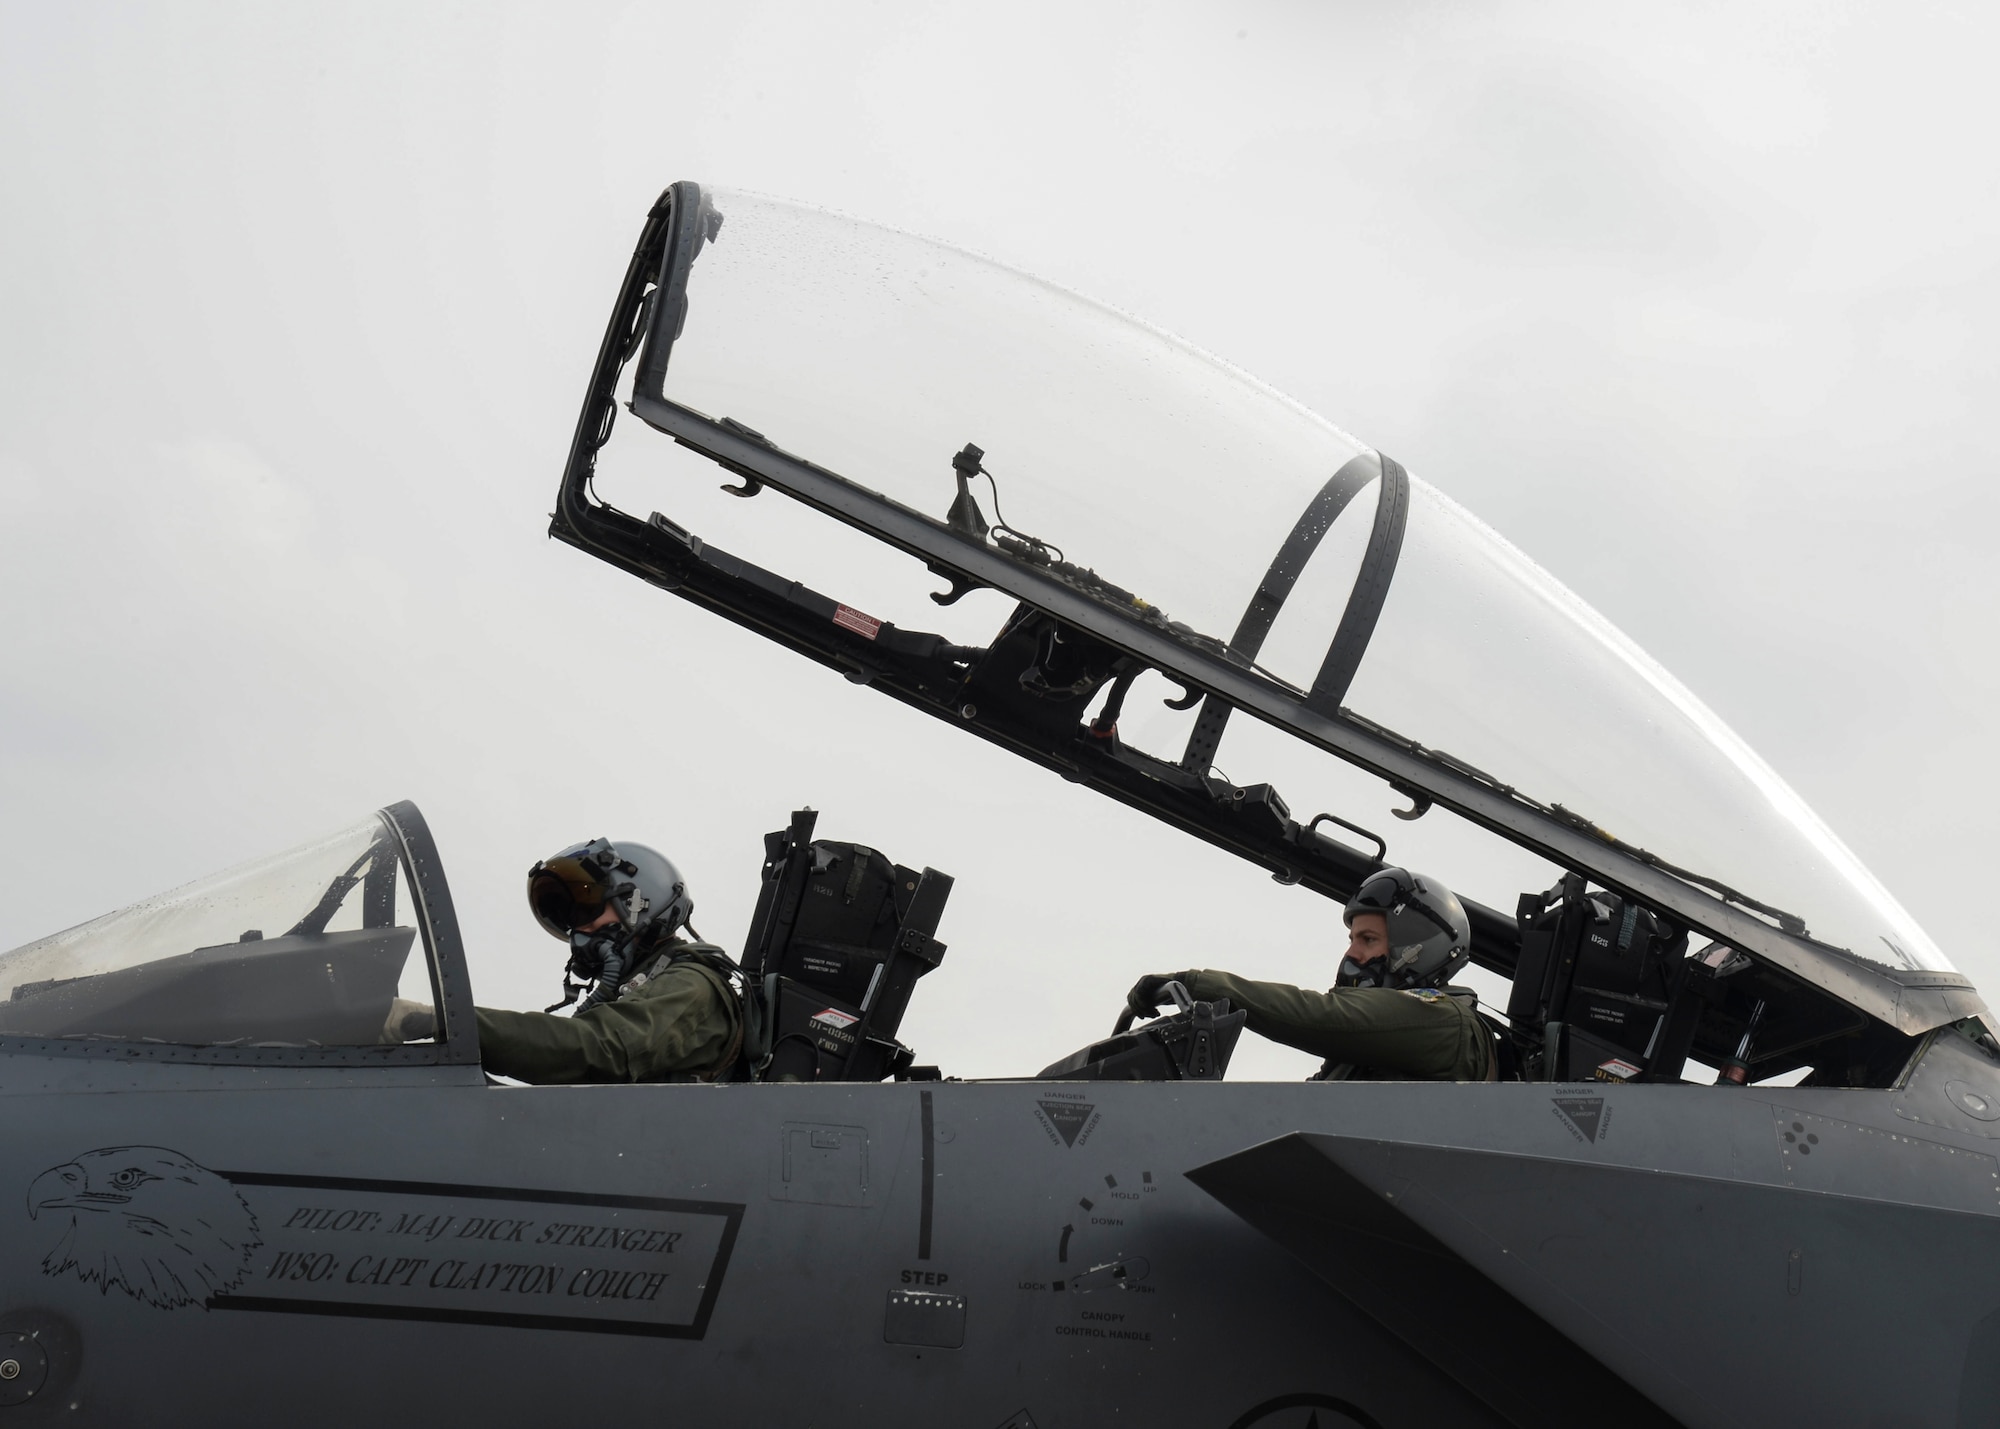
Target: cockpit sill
[(45, 1068)]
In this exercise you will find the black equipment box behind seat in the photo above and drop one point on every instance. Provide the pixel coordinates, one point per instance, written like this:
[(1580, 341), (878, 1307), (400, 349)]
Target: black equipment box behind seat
[(836, 946), (1597, 990)]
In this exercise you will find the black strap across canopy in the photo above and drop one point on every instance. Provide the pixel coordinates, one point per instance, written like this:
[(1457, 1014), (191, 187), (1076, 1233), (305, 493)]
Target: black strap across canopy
[(1357, 619)]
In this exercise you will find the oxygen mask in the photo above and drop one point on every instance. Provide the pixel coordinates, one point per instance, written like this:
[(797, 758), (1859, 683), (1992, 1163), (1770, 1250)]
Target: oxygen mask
[(1373, 973), (598, 962)]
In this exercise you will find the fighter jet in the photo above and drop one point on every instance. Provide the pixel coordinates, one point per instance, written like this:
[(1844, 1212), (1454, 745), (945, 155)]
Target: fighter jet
[(236, 1196)]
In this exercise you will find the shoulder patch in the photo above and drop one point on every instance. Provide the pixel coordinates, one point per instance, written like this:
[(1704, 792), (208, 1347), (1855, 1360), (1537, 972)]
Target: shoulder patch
[(1423, 994)]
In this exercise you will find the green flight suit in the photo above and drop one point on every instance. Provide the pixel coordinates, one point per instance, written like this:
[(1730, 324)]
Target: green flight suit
[(678, 1023), (1421, 1035)]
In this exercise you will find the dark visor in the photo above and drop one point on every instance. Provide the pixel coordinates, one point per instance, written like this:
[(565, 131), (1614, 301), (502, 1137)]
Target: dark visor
[(566, 893), (1380, 892)]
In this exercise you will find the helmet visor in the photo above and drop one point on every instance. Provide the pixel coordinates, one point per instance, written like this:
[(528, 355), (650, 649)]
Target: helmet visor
[(1382, 892), (566, 893)]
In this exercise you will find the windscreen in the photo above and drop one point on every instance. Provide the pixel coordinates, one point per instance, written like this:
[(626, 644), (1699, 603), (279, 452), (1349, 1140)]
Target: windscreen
[(306, 948), (878, 355)]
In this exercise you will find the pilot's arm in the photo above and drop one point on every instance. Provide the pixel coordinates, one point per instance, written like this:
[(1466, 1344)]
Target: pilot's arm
[(684, 1020), (1418, 1034)]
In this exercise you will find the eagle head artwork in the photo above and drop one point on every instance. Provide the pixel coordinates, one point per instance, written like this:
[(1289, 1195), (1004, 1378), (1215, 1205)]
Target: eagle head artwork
[(149, 1221)]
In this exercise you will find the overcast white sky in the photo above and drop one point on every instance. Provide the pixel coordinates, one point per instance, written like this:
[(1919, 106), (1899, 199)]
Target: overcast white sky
[(298, 304)]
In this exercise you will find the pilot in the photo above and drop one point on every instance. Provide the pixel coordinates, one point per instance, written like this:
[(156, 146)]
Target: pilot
[(655, 1006), (1389, 1014)]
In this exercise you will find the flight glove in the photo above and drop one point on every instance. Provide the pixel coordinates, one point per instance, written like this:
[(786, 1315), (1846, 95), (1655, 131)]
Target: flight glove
[(409, 1021), (1150, 991)]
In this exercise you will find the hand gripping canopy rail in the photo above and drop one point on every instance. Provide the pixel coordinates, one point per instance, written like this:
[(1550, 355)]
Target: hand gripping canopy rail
[(1187, 520)]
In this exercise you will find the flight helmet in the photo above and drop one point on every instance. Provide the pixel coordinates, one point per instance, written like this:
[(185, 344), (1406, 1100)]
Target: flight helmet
[(570, 889), (1430, 938)]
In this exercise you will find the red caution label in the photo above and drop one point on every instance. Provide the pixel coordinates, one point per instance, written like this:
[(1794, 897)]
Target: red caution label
[(848, 618)]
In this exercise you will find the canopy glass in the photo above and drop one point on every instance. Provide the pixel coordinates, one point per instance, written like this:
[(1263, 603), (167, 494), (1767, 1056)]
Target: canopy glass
[(877, 355)]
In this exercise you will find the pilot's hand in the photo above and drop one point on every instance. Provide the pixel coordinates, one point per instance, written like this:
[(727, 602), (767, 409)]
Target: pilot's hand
[(409, 1021), (1150, 991)]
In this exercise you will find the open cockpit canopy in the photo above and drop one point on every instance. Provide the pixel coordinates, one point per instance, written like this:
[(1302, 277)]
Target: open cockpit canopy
[(1169, 512)]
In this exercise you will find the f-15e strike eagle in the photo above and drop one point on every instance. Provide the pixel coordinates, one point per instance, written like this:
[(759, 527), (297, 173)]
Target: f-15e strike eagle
[(318, 1225)]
